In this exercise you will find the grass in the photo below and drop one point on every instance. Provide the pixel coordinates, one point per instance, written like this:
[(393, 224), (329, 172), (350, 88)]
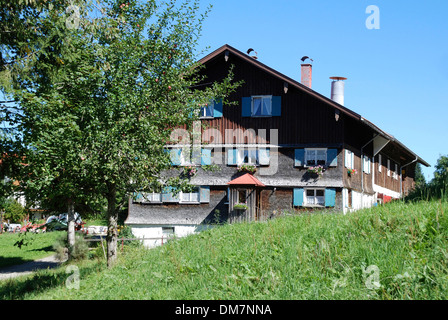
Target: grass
[(39, 246), (310, 256)]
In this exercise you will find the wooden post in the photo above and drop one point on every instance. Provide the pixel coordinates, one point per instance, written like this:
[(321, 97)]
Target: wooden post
[(104, 251), (1, 221)]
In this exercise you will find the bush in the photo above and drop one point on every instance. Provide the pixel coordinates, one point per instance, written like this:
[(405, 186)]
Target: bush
[(125, 232), (14, 211), (78, 252)]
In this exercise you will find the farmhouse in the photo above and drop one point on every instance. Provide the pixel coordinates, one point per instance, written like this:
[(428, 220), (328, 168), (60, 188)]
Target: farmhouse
[(279, 146)]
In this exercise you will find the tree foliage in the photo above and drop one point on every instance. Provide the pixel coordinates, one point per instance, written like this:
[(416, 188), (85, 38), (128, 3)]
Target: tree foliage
[(104, 86), (437, 188)]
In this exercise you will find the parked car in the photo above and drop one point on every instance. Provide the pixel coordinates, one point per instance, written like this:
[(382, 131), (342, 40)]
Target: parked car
[(12, 227), (60, 222)]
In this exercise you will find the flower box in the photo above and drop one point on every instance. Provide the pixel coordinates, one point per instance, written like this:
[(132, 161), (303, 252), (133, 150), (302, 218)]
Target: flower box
[(190, 171), (319, 170), (247, 168), (240, 206)]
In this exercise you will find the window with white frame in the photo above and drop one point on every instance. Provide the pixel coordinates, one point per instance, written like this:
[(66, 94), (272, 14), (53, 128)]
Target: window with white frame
[(314, 157), (347, 198), (379, 163), (349, 159), (388, 167), (396, 172), (261, 106), (190, 156), (247, 156), (189, 197), (152, 197), (315, 197), (366, 164)]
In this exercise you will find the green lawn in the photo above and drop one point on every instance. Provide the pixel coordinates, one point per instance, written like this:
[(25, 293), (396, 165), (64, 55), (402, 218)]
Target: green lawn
[(40, 246), (395, 251)]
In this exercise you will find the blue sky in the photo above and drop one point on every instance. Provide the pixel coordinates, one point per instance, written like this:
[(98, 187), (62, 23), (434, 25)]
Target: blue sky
[(397, 74)]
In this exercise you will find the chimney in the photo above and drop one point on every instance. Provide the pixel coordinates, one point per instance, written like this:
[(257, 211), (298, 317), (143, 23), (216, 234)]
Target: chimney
[(306, 74), (337, 89)]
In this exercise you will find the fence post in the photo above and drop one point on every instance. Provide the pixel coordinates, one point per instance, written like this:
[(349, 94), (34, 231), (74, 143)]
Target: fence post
[(104, 251)]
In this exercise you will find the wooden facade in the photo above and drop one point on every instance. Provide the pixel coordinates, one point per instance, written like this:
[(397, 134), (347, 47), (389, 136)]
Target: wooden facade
[(306, 123)]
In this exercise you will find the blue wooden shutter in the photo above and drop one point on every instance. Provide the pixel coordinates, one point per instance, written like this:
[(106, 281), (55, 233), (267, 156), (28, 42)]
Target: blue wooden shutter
[(232, 156), (217, 108), (298, 197), (332, 157), (299, 157), (276, 106), (330, 197), (247, 107), (206, 157), (263, 157), (204, 194)]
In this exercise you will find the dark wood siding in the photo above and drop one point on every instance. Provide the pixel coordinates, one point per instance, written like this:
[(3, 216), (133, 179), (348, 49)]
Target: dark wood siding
[(304, 119)]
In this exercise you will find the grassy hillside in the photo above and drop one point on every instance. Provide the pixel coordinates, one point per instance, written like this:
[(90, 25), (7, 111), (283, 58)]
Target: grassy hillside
[(318, 256)]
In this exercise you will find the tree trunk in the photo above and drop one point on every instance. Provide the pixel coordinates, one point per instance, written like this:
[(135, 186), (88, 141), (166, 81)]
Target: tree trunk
[(112, 233), (71, 225)]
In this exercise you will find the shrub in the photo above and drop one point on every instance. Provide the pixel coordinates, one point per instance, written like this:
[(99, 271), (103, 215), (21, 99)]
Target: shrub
[(78, 252), (14, 211)]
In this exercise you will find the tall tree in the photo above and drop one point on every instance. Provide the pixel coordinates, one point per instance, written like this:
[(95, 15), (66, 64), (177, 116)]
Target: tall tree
[(101, 95), (440, 181), (420, 180)]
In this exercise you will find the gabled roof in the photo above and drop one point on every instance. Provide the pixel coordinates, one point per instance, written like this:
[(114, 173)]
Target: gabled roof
[(229, 49), (247, 180)]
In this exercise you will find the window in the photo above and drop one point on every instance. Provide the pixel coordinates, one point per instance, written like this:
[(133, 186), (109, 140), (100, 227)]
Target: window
[(190, 156), (379, 163), (189, 197), (185, 157), (315, 197), (314, 157), (168, 232), (349, 198), (388, 167), (261, 106), (396, 172), (349, 159), (213, 109), (242, 196), (207, 111), (366, 164), (248, 156), (152, 197), (252, 156)]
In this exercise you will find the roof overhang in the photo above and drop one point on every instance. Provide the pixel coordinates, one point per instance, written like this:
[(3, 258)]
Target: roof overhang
[(246, 180)]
